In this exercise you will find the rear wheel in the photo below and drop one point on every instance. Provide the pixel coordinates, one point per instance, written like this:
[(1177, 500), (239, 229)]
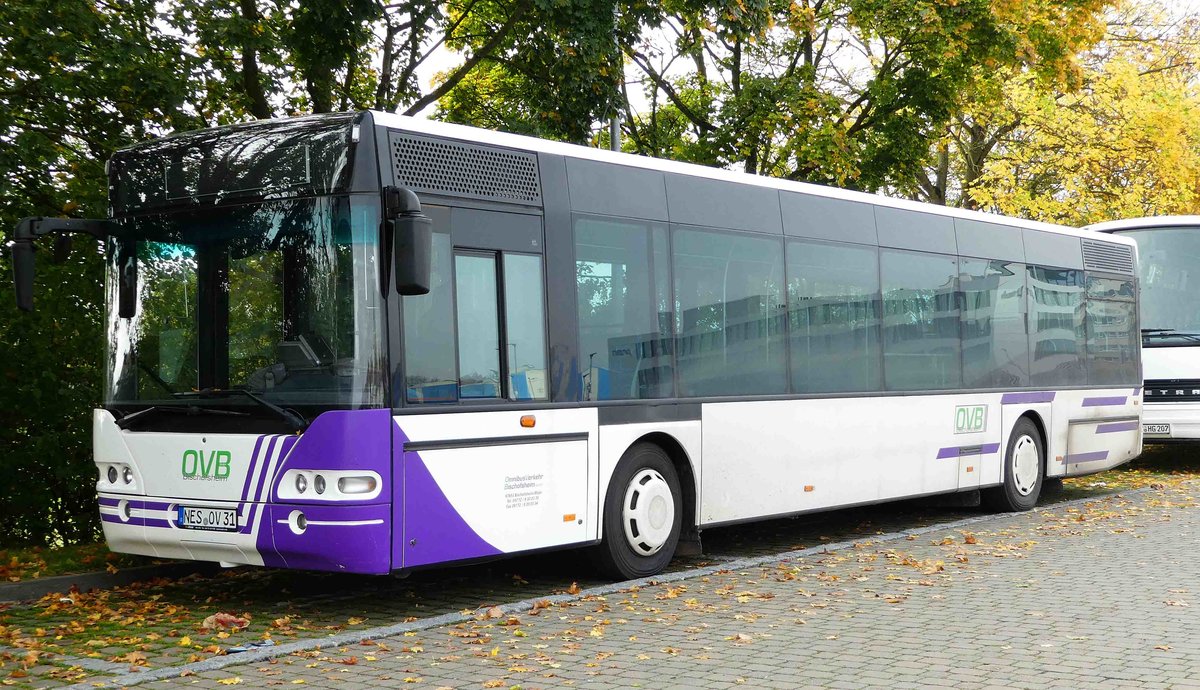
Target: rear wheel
[(1024, 467), (643, 513)]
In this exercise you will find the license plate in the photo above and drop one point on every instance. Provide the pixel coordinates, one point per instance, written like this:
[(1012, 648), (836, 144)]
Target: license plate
[(1157, 429), (214, 519)]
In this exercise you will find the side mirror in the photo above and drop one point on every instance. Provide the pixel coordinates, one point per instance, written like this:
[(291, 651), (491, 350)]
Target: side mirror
[(126, 279), (23, 270), (412, 240), (412, 249), (30, 229)]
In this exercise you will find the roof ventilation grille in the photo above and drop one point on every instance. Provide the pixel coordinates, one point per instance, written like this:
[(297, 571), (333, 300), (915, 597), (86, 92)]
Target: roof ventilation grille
[(1105, 256), (449, 167)]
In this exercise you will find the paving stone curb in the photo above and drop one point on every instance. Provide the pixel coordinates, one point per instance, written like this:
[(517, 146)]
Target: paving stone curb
[(357, 636)]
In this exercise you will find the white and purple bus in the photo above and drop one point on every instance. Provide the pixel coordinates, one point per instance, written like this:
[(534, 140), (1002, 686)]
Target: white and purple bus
[(369, 343), (1169, 251)]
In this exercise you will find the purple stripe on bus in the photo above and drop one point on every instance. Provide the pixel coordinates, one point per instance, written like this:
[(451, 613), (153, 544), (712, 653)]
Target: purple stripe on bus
[(261, 490), (434, 531), (1035, 397), (136, 521), (134, 503), (1116, 426), (961, 451), (1137, 390), (1104, 402), (256, 491), (250, 469), (1088, 457)]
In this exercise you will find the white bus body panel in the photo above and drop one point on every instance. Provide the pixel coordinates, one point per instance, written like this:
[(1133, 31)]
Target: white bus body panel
[(787, 456), (159, 485), (1165, 364), (507, 488)]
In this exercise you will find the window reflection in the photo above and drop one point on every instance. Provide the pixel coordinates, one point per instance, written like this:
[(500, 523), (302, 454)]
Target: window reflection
[(920, 321), (729, 313), (995, 347), (623, 301), (524, 324), (478, 326), (280, 298), (834, 318), (1057, 336)]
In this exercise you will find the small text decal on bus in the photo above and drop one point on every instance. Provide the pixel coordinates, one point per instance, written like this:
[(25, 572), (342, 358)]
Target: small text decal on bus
[(214, 465), (969, 419)]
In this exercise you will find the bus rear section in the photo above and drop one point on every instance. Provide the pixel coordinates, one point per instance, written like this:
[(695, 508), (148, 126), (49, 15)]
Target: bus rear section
[(1169, 282)]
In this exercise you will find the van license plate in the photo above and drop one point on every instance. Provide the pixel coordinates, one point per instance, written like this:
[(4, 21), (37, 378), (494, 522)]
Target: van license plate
[(1156, 429), (213, 519)]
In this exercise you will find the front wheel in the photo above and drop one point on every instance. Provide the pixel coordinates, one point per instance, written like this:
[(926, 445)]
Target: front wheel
[(1023, 470), (643, 512)]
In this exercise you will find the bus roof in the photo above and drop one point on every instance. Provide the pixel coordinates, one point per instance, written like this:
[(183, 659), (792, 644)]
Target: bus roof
[(526, 143), (1146, 223)]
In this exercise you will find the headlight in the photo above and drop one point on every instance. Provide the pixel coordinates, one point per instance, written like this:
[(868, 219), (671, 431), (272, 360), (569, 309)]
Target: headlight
[(112, 474), (356, 485), (301, 483), (319, 484), (128, 475)]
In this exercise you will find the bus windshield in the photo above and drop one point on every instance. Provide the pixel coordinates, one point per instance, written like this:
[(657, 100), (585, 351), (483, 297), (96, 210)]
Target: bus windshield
[(1168, 260), (279, 298)]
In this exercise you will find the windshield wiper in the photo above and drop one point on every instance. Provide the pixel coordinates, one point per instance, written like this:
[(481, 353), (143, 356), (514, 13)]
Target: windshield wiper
[(129, 419), (294, 419), (1169, 333)]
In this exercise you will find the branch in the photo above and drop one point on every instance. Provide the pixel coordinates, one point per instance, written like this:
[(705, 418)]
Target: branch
[(476, 57), (701, 122)]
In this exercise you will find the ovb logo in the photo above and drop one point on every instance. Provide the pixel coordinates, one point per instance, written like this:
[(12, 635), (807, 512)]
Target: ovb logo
[(969, 419), (213, 465)]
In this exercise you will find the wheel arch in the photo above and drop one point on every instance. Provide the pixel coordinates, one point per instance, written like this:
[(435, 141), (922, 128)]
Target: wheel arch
[(683, 467), (1033, 416)]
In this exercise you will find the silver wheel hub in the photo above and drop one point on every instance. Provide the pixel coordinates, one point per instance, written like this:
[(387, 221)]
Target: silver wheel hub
[(648, 513), (1026, 465)]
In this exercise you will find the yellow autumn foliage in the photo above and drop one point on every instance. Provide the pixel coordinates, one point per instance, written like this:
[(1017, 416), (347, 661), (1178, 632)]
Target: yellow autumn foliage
[(1126, 144)]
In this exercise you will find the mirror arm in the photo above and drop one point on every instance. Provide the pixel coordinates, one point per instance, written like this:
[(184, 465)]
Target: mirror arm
[(30, 229), (38, 226)]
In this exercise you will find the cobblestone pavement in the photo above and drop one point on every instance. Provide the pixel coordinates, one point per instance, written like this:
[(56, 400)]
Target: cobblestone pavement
[(1100, 594)]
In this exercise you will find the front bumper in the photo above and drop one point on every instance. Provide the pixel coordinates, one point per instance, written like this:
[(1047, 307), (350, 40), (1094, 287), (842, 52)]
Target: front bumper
[(336, 538), (1184, 419)]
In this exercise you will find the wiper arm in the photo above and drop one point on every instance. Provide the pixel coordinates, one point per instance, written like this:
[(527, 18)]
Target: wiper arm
[(1169, 333), (294, 419), (129, 419)]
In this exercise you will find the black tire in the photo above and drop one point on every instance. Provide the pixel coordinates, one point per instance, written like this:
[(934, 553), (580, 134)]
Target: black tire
[(1018, 493), (615, 556)]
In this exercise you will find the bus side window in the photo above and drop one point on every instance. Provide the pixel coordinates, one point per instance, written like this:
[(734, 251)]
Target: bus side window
[(429, 365), (623, 293), (525, 327), (1056, 331)]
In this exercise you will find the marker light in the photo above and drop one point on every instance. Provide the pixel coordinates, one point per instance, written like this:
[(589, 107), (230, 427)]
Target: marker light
[(319, 484), (301, 483), (112, 474), (356, 485), (128, 475)]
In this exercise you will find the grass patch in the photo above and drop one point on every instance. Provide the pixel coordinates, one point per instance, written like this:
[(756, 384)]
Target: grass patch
[(20, 564)]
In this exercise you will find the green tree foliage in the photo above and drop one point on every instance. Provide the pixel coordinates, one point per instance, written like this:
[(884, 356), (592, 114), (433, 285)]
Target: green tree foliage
[(76, 80), (845, 92), (80, 78), (1120, 140)]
